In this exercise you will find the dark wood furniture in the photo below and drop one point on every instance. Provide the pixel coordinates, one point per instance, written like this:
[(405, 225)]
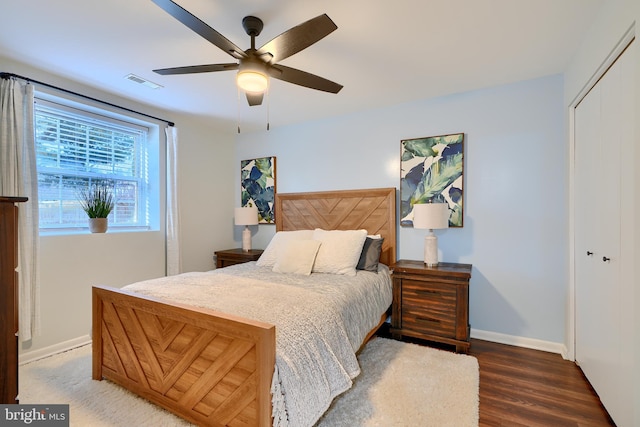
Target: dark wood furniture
[(431, 303), (9, 299), (146, 345), (229, 257)]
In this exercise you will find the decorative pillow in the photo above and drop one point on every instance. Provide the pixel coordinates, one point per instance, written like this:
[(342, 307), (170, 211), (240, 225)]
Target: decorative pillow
[(297, 257), (270, 254), (370, 254), (339, 252)]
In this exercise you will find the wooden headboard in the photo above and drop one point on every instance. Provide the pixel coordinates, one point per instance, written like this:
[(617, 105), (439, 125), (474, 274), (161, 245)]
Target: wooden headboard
[(371, 209)]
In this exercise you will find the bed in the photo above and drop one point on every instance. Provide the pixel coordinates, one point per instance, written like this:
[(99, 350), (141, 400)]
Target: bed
[(208, 366)]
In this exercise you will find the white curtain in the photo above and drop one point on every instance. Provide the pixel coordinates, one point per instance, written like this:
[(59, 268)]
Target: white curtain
[(174, 260), (19, 177)]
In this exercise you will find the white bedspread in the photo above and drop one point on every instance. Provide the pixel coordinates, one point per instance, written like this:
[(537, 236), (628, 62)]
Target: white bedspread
[(320, 322)]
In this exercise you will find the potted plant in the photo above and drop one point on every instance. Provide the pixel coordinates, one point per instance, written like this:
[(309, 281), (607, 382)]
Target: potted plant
[(97, 201)]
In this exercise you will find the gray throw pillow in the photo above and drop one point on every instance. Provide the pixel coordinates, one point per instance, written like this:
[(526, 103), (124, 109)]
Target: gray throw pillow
[(370, 255)]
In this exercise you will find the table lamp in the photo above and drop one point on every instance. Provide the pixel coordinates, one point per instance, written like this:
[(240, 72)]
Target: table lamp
[(430, 216), (246, 216)]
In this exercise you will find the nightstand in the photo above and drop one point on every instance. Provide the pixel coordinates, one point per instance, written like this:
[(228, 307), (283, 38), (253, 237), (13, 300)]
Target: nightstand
[(229, 257), (431, 303)]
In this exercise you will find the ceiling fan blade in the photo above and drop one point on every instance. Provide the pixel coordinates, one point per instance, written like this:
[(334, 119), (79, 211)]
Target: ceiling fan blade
[(298, 38), (303, 78), (200, 27), (254, 98), (197, 69)]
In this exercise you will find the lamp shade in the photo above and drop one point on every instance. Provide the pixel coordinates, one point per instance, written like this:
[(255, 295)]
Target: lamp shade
[(247, 215), (252, 81), (252, 76), (431, 215)]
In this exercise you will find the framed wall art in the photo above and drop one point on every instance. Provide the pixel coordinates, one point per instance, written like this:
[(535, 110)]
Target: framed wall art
[(431, 170), (258, 186)]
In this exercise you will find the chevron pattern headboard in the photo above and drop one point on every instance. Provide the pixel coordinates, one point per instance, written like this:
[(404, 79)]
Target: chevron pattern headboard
[(371, 209)]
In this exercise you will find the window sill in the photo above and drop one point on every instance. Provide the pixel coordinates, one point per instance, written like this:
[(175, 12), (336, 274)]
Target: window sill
[(85, 230)]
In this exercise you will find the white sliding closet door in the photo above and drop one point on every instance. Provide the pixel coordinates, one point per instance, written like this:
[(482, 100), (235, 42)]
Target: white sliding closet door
[(603, 138)]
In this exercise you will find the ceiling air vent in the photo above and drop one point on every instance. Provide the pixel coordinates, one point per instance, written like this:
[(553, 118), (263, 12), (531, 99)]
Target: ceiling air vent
[(140, 80)]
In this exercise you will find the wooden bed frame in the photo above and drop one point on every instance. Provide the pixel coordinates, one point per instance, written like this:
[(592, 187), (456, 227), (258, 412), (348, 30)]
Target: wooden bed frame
[(205, 366)]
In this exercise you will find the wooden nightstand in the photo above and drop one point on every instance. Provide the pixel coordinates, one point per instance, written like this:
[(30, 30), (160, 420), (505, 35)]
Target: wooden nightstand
[(431, 303), (229, 257)]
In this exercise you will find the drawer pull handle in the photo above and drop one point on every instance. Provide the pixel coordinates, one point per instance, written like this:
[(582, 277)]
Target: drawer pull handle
[(427, 319), (427, 292)]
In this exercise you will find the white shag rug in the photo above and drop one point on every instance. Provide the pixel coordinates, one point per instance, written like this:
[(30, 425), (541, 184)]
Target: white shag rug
[(400, 385)]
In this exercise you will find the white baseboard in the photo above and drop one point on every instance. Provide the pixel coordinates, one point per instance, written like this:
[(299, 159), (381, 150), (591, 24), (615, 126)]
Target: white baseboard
[(31, 356), (535, 344)]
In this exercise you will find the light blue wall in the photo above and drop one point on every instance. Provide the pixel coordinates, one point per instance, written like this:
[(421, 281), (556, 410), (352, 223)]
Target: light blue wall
[(515, 187)]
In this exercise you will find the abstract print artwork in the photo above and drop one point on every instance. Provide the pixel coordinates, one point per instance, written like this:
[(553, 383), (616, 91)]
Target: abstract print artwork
[(431, 171), (258, 186)]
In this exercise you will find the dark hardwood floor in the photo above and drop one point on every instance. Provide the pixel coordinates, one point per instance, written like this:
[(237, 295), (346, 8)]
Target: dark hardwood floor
[(523, 387)]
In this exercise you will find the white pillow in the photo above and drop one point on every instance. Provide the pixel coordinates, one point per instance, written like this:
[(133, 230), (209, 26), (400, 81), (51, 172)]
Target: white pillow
[(270, 254), (339, 252), (297, 257)]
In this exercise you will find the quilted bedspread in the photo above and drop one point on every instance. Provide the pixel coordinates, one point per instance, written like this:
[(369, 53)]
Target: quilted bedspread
[(321, 321)]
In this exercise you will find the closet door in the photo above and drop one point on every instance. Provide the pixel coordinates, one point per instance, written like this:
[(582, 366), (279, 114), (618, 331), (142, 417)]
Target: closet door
[(593, 321), (603, 137)]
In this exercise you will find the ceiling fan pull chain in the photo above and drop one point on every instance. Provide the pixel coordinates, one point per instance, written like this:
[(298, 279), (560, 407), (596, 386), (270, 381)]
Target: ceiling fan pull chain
[(268, 105)]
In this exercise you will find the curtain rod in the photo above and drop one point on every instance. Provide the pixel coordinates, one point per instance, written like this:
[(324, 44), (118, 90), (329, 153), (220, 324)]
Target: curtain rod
[(9, 75)]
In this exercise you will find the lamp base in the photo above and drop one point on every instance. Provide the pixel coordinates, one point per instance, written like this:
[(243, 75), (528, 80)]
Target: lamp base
[(246, 239), (431, 249)]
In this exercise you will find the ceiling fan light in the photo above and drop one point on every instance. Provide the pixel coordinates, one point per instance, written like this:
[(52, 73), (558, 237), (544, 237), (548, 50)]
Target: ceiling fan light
[(252, 81)]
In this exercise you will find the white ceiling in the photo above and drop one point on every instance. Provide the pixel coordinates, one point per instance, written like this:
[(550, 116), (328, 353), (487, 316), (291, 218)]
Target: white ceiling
[(383, 52)]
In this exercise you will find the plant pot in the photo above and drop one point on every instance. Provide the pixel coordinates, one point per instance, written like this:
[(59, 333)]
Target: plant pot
[(98, 225)]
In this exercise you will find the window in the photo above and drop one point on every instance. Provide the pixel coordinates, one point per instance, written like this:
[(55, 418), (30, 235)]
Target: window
[(76, 149)]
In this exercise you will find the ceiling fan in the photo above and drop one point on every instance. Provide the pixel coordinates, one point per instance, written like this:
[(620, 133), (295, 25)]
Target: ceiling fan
[(256, 65)]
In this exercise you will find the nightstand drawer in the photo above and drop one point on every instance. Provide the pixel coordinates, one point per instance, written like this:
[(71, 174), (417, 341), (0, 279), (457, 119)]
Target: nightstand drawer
[(434, 295), (429, 323)]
